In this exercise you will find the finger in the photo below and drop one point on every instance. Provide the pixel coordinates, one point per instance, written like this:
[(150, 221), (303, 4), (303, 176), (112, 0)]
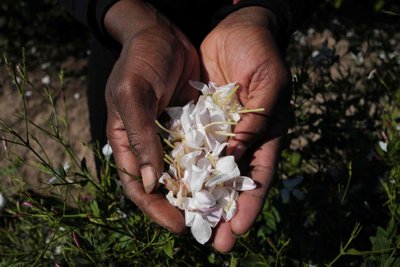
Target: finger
[(255, 126), (154, 205), (224, 241), (250, 203), (137, 105), (250, 128)]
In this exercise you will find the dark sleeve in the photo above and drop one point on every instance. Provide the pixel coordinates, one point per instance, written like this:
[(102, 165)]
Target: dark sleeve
[(77, 9), (91, 14), (290, 14)]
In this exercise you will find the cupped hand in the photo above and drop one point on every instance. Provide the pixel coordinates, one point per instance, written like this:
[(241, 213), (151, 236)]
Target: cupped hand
[(152, 72), (242, 48)]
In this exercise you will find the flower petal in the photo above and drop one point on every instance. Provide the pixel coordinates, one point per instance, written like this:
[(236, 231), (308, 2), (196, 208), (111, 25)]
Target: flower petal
[(197, 178), (174, 112), (230, 210), (2, 201), (170, 197), (200, 86), (203, 199), (107, 150), (214, 216), (227, 165), (165, 176), (241, 183), (217, 179), (383, 146), (189, 217), (201, 229), (189, 159)]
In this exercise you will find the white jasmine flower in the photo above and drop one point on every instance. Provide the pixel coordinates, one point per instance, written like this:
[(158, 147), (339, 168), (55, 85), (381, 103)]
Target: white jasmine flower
[(201, 180), (226, 169)]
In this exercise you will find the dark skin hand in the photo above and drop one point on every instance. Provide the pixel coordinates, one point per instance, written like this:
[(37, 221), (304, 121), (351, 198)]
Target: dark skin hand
[(242, 48), (153, 71)]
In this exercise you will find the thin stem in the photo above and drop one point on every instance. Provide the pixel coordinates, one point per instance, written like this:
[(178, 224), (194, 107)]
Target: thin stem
[(225, 133), (250, 110), (219, 123)]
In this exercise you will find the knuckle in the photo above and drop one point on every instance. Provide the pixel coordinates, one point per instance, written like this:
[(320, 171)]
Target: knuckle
[(124, 90), (135, 143), (271, 73)]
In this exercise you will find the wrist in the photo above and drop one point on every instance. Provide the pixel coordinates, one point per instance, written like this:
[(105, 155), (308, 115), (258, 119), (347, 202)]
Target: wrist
[(127, 18), (254, 16), (277, 19)]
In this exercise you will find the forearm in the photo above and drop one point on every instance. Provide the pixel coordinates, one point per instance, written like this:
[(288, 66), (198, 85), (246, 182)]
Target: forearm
[(126, 18)]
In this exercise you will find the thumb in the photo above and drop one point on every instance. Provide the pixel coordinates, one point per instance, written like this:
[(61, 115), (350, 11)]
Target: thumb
[(251, 128), (137, 105)]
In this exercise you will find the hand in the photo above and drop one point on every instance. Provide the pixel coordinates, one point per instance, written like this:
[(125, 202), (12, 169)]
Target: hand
[(242, 48), (152, 71)]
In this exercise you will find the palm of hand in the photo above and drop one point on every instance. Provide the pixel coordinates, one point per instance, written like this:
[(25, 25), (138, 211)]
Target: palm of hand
[(247, 54)]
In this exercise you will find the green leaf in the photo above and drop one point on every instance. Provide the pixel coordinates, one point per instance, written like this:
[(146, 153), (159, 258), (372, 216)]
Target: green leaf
[(234, 261), (380, 241), (211, 258), (391, 226), (253, 261), (353, 251), (295, 159), (271, 223), (95, 208), (169, 248)]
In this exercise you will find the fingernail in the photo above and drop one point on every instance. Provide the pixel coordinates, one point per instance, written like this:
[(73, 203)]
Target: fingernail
[(239, 151), (149, 178)]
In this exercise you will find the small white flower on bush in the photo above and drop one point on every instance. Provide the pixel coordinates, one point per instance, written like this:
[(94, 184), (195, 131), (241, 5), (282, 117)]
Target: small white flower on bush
[(290, 189), (200, 180), (383, 145), (45, 80), (107, 151), (2, 202), (54, 180)]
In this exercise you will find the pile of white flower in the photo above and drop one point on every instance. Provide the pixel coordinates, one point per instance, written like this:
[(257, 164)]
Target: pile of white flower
[(201, 181)]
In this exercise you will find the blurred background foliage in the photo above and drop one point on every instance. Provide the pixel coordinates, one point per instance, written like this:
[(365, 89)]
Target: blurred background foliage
[(42, 28), (335, 200), (47, 32)]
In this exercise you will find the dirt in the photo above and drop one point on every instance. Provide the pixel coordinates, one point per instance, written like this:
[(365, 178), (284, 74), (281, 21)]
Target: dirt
[(71, 101)]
